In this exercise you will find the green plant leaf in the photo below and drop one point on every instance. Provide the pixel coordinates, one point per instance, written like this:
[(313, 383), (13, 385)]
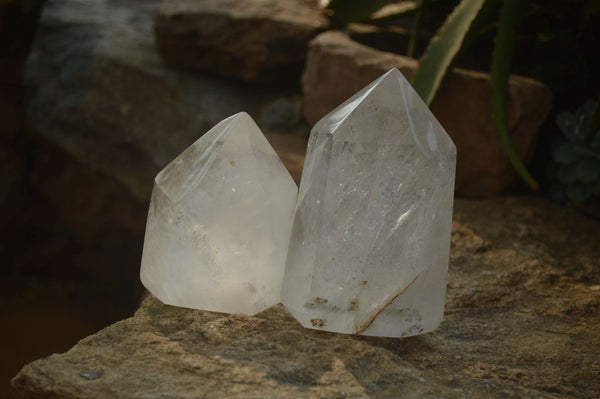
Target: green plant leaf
[(567, 174), (394, 10), (414, 35), (564, 154), (588, 170), (595, 141), (354, 10), (578, 192), (444, 48), (581, 151), (584, 117), (567, 123), (511, 14)]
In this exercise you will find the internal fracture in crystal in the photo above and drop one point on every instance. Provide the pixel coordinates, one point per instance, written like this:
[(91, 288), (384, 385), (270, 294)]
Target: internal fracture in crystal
[(219, 223), (370, 241)]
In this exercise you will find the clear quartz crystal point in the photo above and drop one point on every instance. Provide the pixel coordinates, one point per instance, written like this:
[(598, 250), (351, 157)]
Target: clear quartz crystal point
[(219, 223), (370, 241)]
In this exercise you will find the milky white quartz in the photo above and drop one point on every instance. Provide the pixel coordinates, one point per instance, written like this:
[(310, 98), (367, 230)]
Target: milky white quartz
[(219, 223), (371, 235)]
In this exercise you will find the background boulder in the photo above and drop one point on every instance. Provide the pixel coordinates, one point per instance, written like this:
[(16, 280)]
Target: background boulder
[(263, 41)]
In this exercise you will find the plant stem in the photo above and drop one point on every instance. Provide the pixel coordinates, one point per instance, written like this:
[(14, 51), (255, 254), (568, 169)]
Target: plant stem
[(511, 14), (416, 28)]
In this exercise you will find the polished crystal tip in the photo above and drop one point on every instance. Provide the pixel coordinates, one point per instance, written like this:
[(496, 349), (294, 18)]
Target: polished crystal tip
[(219, 223), (370, 241)]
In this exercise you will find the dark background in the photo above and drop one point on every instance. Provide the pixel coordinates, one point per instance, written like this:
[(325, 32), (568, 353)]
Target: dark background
[(60, 281)]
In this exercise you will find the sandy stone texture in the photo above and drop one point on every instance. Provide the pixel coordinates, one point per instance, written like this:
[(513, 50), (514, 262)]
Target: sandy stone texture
[(521, 321)]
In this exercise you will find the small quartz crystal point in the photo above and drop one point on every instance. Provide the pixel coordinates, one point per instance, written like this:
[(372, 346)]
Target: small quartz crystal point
[(219, 223), (370, 241)]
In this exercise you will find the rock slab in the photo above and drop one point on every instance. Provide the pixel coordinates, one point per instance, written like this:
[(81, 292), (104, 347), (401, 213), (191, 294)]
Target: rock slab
[(261, 41), (337, 67), (521, 321)]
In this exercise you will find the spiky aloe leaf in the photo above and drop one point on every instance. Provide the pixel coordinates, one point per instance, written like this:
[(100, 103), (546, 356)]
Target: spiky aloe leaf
[(511, 14), (353, 10), (444, 48), (414, 35), (394, 10)]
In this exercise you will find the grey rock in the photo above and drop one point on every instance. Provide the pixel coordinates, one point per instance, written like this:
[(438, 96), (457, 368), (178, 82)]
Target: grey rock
[(98, 90), (261, 41), (520, 321), (337, 67)]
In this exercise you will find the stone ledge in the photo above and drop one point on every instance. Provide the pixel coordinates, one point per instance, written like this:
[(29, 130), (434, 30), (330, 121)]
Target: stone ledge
[(521, 321)]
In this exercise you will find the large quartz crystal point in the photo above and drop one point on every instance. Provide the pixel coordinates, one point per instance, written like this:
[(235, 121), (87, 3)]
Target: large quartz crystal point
[(371, 235), (219, 223)]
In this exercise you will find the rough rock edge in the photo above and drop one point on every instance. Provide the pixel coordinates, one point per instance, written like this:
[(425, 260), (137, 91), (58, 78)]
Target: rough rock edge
[(520, 321)]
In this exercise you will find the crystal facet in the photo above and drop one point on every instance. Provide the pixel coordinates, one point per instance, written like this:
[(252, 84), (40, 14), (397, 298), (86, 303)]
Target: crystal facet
[(219, 223), (371, 235)]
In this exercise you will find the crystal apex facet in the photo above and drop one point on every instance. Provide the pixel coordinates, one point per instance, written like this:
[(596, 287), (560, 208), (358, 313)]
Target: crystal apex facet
[(219, 223), (370, 241)]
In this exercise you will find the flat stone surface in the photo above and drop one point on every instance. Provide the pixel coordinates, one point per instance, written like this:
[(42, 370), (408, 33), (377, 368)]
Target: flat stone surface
[(261, 41), (521, 321), (337, 67)]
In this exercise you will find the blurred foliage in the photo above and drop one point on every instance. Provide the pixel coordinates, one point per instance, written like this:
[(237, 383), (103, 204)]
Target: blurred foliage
[(556, 42), (444, 48), (553, 41), (511, 15), (559, 46), (459, 30), (575, 171)]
